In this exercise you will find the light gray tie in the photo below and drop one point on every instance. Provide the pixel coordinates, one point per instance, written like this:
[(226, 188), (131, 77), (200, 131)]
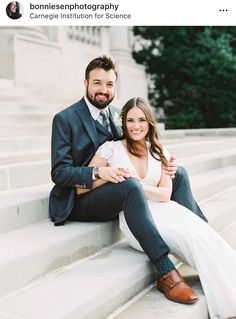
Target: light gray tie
[(105, 120)]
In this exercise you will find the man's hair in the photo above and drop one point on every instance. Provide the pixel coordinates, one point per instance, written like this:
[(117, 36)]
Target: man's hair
[(102, 62)]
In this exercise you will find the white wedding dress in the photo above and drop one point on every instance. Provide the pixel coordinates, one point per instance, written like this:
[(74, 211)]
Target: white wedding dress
[(188, 236)]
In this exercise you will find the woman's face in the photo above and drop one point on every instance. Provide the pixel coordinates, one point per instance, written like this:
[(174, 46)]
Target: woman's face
[(13, 7), (136, 124)]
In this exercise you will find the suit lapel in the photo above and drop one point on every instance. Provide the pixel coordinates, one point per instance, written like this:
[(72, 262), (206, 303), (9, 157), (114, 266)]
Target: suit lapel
[(88, 122), (102, 129), (92, 126)]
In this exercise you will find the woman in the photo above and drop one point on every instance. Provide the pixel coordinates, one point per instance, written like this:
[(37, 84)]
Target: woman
[(188, 236), (13, 11)]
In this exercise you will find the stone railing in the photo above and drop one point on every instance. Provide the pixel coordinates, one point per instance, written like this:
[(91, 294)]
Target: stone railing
[(85, 34)]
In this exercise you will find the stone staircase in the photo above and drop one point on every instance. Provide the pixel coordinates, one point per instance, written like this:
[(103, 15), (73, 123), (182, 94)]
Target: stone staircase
[(87, 270)]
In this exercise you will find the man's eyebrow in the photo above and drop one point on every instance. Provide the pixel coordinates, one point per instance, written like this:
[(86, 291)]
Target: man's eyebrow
[(99, 80)]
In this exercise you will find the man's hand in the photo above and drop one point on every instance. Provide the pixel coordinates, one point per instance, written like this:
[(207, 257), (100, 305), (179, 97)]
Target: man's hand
[(115, 174), (171, 168)]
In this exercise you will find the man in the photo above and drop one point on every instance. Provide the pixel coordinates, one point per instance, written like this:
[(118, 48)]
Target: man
[(77, 133)]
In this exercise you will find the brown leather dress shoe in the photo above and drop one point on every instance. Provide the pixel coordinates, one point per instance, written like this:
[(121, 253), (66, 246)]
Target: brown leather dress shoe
[(175, 288)]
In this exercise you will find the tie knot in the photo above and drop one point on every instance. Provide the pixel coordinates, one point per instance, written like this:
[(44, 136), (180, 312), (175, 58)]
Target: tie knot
[(103, 114)]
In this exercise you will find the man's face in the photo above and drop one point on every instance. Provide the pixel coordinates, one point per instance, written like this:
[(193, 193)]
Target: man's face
[(100, 87)]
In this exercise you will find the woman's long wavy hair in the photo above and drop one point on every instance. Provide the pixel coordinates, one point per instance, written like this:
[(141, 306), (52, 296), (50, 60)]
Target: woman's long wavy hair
[(152, 136)]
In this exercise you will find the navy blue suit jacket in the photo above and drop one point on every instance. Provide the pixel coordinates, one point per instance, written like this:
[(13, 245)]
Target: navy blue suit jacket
[(75, 139)]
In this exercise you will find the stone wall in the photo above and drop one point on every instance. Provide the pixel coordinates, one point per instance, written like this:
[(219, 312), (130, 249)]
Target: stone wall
[(51, 60)]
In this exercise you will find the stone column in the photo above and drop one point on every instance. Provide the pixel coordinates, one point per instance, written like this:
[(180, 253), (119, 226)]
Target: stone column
[(8, 39), (132, 80), (105, 38), (120, 44)]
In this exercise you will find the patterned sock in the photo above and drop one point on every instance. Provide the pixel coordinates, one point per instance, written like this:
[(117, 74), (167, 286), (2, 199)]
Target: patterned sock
[(164, 265)]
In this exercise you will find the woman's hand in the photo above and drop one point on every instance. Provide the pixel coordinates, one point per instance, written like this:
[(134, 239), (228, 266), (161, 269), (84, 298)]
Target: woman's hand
[(109, 174), (115, 174), (171, 168)]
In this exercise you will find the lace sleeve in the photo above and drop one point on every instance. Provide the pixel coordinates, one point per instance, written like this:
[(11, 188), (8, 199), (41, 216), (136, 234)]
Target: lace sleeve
[(106, 150)]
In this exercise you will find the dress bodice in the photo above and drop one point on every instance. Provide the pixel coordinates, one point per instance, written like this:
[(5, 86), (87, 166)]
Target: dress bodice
[(117, 156)]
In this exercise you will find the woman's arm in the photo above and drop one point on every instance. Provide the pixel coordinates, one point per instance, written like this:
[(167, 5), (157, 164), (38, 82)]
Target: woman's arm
[(106, 174), (162, 192)]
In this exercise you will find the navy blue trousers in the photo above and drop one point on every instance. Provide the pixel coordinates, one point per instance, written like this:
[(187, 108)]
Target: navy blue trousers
[(105, 203), (182, 192)]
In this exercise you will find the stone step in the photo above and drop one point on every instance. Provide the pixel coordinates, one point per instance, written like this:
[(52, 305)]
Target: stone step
[(209, 183), (41, 260), (16, 205), (23, 207), (36, 143), (10, 94), (25, 130), (188, 147), (15, 157), (25, 118), (176, 134), (18, 149), (25, 95), (176, 141), (206, 162), (6, 83), (22, 144), (204, 176), (26, 174), (150, 304), (30, 205), (40, 248), (91, 289), (33, 251), (45, 107), (9, 90), (220, 208)]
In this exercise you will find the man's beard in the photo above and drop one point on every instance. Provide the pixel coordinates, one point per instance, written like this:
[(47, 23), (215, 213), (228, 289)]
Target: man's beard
[(99, 104)]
